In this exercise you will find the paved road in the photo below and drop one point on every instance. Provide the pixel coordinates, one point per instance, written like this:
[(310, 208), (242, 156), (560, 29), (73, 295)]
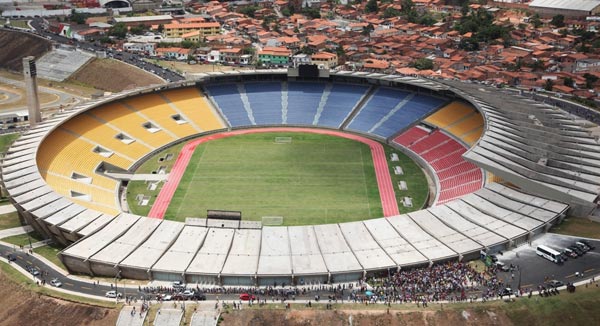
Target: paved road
[(64, 99), (131, 58)]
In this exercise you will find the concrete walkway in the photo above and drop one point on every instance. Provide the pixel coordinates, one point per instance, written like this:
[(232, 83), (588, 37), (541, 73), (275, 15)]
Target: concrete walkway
[(127, 318), (205, 315), (15, 231)]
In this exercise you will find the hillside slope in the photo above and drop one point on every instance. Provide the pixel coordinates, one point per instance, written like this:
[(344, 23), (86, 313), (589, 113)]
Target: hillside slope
[(16, 45), (113, 75)]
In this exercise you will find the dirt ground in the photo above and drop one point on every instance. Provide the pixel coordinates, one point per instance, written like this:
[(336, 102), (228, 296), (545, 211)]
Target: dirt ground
[(113, 76), (16, 45), (19, 306), (363, 318), (194, 69)]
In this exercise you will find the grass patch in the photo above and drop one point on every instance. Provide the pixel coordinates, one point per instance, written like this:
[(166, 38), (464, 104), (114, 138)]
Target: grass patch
[(135, 188), (7, 140), (314, 179), (23, 239), (579, 308), (415, 179), (19, 24), (9, 221), (20, 279), (50, 252), (580, 227)]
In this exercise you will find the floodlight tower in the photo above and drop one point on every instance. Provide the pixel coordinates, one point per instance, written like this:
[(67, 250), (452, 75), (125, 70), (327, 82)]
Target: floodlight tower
[(33, 102)]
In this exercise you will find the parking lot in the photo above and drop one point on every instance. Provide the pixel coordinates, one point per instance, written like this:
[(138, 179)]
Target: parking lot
[(534, 270)]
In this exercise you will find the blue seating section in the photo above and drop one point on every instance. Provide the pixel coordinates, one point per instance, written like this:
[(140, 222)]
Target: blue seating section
[(265, 101), (303, 102), (378, 106), (341, 101), (414, 110), (229, 101)]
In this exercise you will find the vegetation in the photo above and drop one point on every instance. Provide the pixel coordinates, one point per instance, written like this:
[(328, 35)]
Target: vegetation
[(422, 64), (9, 221), (24, 239), (118, 30), (371, 6), (549, 85), (558, 21), (481, 24), (312, 13), (50, 252), (249, 10), (576, 226), (6, 140)]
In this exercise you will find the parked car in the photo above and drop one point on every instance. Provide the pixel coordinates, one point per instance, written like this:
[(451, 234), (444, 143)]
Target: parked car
[(32, 270), (179, 284), (555, 283), (113, 294), (247, 297), (506, 292), (501, 266), (56, 283), (167, 297), (188, 293), (11, 257), (577, 250), (582, 246), (587, 243), (570, 253)]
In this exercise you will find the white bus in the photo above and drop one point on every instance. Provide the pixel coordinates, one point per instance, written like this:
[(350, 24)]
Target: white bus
[(548, 253)]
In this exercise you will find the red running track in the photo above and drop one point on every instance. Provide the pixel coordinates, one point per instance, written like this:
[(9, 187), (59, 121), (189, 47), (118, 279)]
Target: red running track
[(382, 172)]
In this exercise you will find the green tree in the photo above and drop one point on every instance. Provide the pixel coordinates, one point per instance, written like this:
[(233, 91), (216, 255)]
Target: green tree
[(549, 85), (390, 12), (161, 28), (535, 21), (249, 10), (558, 21), (371, 6), (312, 13), (118, 30), (568, 81), (422, 64), (77, 17), (590, 80), (537, 65)]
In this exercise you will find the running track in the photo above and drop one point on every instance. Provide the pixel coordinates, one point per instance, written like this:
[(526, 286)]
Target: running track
[(382, 172)]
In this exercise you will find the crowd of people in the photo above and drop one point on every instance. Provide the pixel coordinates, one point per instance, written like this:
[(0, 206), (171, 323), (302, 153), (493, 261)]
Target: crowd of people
[(453, 281)]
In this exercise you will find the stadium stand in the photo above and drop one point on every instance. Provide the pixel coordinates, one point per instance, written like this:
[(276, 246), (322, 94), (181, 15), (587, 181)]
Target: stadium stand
[(494, 218), (388, 111), (455, 176), (303, 102), (265, 99), (154, 107), (194, 105), (228, 100), (341, 100), (123, 118)]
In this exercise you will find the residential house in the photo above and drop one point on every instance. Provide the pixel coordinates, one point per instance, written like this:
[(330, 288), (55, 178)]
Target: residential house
[(326, 59), (204, 29), (274, 56)]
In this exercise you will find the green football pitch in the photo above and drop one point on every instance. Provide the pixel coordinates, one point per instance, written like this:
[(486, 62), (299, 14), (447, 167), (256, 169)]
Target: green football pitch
[(304, 178)]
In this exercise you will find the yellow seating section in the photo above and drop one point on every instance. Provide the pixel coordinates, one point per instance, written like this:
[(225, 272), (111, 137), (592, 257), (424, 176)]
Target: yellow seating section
[(468, 124), (98, 180), (105, 135), (64, 153), (450, 114), (127, 120), (159, 111), (472, 137), (195, 106)]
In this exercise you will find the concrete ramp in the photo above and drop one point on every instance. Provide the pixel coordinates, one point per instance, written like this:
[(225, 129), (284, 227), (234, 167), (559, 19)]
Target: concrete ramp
[(59, 64), (129, 317), (168, 317)]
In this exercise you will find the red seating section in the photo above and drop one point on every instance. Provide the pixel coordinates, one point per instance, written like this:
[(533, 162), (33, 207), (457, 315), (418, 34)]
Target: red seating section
[(444, 154)]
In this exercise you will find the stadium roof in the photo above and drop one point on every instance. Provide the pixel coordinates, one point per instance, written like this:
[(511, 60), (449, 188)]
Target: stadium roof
[(581, 5)]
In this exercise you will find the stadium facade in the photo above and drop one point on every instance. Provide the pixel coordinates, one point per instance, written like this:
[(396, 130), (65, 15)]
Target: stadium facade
[(55, 175)]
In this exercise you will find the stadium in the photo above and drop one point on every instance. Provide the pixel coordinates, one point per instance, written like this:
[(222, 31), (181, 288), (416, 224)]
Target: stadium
[(498, 168)]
